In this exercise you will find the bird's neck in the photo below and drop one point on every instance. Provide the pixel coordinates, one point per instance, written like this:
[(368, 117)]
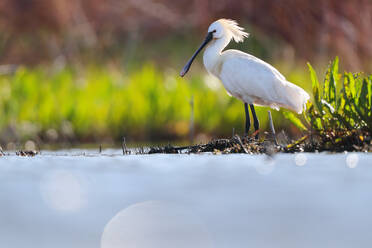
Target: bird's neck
[(212, 54)]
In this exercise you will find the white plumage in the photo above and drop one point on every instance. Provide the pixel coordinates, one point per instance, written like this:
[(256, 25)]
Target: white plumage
[(244, 76)]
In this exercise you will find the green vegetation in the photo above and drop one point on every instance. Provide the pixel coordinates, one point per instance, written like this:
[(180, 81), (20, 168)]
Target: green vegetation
[(340, 103), (345, 103), (340, 115), (97, 104)]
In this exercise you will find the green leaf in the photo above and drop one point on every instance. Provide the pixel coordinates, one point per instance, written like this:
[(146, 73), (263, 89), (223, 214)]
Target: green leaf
[(315, 86), (318, 125), (341, 101), (294, 119), (369, 82), (330, 82), (361, 102), (363, 95)]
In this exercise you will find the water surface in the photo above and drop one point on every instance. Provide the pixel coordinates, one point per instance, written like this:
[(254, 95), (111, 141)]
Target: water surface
[(84, 199)]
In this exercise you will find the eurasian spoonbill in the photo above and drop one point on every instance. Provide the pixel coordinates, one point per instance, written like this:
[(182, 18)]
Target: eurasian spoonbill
[(244, 76)]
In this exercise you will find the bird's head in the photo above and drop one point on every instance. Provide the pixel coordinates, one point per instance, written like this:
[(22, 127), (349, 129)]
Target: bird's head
[(222, 28), (227, 28)]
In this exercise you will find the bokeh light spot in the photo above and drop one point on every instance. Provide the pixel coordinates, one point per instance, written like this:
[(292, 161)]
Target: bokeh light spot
[(30, 145), (155, 224), (300, 159), (352, 160), (62, 191)]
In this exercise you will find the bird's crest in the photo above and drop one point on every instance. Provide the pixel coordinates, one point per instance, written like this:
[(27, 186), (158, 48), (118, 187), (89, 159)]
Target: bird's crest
[(237, 32)]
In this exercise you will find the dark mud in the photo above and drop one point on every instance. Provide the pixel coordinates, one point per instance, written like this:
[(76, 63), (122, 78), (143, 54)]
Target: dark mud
[(332, 141), (24, 153)]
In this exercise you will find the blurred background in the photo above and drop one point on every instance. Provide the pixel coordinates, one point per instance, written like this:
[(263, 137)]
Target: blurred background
[(94, 71)]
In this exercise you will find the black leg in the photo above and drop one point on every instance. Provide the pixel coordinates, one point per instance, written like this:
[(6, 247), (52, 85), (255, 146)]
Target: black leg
[(256, 123), (247, 120)]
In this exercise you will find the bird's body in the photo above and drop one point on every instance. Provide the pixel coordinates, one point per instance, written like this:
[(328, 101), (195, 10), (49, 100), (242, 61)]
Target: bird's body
[(253, 81), (250, 79), (244, 76)]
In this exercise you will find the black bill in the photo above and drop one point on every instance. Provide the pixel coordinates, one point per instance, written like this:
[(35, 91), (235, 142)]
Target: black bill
[(188, 65)]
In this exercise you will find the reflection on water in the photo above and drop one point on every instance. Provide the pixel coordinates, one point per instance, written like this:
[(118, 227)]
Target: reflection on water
[(266, 167), (300, 159), (352, 160), (155, 224)]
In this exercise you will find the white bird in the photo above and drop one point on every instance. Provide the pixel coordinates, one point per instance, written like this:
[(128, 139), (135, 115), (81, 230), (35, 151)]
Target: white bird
[(244, 76)]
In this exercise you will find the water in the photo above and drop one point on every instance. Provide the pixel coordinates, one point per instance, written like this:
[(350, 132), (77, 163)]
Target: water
[(67, 199)]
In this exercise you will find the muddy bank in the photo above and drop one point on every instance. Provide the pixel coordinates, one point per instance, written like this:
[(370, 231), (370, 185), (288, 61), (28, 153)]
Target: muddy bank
[(332, 141)]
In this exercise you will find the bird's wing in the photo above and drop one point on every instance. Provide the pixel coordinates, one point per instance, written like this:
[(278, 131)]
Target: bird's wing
[(246, 75), (255, 81)]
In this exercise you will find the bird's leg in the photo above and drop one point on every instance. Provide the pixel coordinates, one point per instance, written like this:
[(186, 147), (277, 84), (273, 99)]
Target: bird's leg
[(247, 120), (256, 123)]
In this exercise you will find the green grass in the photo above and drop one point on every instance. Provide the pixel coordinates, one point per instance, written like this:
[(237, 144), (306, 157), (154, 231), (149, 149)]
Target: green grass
[(340, 103), (96, 102)]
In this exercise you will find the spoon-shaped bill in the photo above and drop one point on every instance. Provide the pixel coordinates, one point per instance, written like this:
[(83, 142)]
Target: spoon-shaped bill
[(186, 68)]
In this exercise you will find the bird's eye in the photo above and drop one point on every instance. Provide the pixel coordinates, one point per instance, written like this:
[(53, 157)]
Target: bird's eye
[(214, 31)]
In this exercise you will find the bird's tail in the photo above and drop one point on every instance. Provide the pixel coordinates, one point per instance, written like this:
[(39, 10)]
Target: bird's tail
[(296, 98)]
